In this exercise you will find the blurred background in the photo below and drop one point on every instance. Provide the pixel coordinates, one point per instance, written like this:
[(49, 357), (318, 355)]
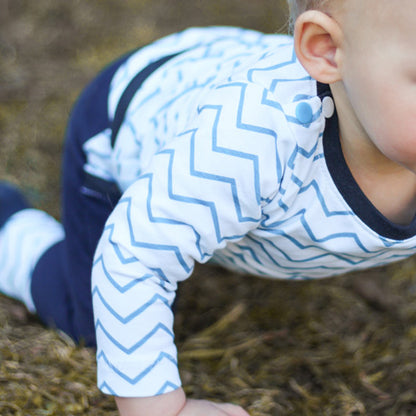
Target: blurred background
[(49, 49), (343, 346)]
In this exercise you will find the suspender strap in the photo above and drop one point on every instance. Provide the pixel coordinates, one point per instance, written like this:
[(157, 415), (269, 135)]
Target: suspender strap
[(129, 92)]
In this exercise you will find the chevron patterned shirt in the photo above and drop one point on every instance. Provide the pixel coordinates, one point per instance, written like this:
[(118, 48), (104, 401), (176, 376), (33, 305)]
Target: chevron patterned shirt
[(228, 153)]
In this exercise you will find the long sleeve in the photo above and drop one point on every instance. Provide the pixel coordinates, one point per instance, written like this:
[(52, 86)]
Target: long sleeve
[(204, 190)]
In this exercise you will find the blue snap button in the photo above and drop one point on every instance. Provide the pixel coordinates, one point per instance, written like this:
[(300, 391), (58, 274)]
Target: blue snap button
[(304, 113)]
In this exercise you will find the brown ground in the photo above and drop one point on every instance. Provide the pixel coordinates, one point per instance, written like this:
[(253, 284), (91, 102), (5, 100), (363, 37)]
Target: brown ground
[(345, 346)]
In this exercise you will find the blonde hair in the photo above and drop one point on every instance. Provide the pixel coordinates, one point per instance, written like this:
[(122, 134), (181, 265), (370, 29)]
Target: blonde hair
[(297, 7)]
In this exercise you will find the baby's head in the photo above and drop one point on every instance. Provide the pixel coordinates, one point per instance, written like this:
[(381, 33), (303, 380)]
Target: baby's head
[(365, 50), (330, 35)]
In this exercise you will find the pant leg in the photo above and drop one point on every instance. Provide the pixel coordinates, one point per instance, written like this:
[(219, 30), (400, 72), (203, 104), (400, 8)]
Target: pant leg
[(61, 282)]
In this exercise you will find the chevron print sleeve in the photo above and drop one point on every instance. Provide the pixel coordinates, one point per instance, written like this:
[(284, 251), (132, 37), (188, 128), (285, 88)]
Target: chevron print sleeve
[(200, 193)]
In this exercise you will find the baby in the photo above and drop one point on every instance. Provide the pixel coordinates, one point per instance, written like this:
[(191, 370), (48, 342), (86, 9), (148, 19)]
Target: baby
[(282, 157)]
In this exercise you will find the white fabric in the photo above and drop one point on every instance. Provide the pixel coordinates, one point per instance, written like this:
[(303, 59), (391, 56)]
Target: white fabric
[(24, 238)]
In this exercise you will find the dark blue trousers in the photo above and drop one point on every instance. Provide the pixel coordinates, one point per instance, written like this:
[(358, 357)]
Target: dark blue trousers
[(61, 282)]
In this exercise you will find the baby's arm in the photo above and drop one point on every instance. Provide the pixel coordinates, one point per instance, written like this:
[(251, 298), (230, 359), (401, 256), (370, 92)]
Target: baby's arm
[(134, 283), (175, 404), (200, 193)]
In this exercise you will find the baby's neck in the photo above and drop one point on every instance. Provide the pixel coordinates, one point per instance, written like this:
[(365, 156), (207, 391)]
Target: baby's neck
[(390, 187), (393, 195)]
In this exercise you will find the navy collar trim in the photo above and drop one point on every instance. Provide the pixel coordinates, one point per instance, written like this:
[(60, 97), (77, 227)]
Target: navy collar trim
[(349, 188)]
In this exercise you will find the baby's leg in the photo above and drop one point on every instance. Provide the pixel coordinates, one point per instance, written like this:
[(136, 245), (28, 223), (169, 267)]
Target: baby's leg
[(87, 202), (56, 279)]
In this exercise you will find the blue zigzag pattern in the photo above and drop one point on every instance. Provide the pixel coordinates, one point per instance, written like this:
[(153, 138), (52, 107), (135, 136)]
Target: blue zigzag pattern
[(134, 380), (130, 317), (137, 345)]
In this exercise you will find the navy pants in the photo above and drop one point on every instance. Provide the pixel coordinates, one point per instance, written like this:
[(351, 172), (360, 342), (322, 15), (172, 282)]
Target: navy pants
[(61, 282)]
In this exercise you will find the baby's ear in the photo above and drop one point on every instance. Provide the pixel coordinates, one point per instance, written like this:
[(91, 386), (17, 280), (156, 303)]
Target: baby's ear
[(317, 42)]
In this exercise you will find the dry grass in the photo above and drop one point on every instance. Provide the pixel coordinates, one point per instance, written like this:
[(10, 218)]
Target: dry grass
[(277, 348), (344, 346)]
